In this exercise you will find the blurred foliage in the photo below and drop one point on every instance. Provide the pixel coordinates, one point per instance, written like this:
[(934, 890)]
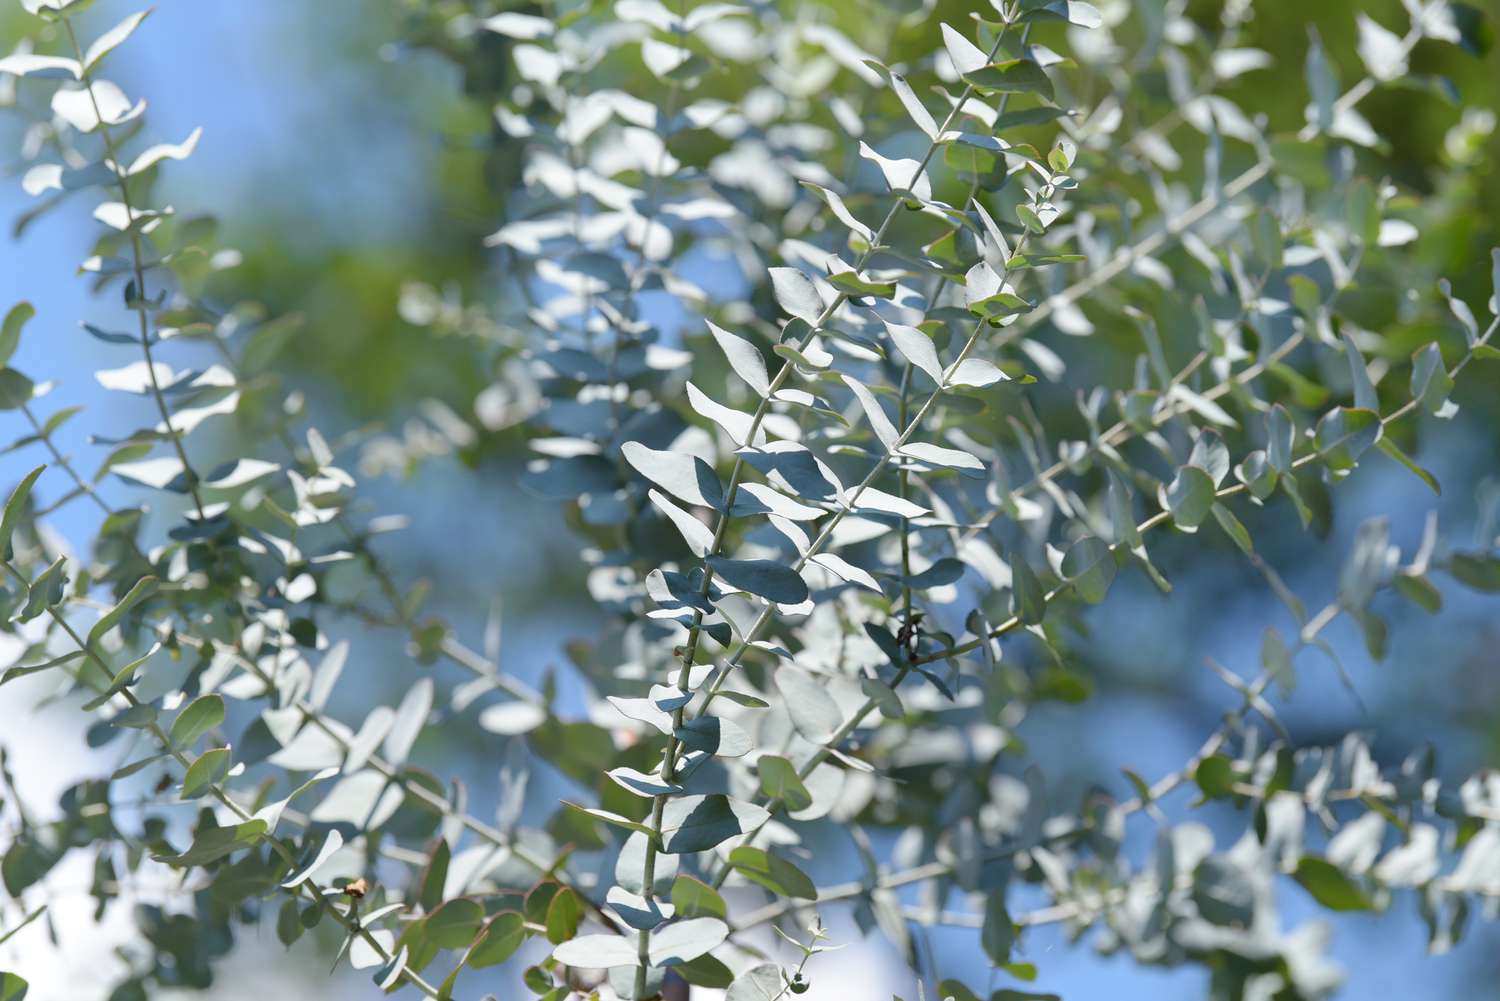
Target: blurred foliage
[(416, 352)]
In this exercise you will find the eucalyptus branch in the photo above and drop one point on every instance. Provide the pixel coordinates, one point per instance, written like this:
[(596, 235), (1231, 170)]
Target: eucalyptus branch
[(1127, 256), (1122, 431), (136, 298), (1214, 742), (1161, 517), (690, 646), (848, 505), (167, 745), (1159, 790), (485, 832)]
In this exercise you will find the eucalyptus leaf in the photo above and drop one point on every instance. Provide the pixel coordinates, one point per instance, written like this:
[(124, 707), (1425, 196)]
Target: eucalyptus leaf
[(744, 358), (200, 716), (16, 389), (596, 952), (686, 940), (715, 735), (1329, 886), (759, 983), (773, 872), (410, 719), (206, 771), (1190, 498), (1089, 565), (213, 843), (694, 898), (796, 294), (698, 823), (10, 329), (779, 781), (330, 846), (814, 712), (140, 591), (685, 477), (763, 578), (15, 505), (1013, 76)]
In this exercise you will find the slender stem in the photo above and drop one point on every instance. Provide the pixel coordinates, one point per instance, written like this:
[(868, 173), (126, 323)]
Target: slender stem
[(82, 487), (26, 920), (901, 489), (63, 461), (140, 305)]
